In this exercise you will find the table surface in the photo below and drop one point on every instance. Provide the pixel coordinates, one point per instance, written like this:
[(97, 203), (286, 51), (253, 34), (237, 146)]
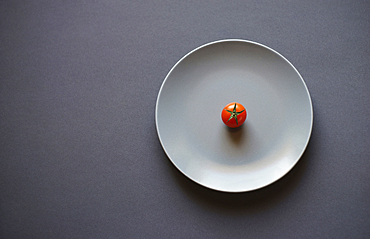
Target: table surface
[(79, 152)]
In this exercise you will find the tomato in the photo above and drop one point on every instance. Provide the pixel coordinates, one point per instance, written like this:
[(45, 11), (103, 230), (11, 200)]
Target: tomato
[(234, 114)]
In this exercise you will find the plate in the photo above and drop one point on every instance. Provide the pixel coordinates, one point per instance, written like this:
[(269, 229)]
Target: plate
[(266, 147)]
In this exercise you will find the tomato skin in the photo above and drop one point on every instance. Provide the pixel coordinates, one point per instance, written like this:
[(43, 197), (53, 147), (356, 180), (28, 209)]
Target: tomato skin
[(241, 114)]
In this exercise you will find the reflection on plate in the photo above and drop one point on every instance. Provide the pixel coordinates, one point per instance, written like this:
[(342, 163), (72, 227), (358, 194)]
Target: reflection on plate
[(269, 143)]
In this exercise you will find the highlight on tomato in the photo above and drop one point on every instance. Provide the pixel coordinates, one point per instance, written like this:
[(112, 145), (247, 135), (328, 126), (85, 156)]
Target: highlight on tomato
[(234, 115)]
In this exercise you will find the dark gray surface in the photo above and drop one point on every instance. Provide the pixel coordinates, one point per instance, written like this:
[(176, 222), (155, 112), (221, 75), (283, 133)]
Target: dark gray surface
[(79, 154)]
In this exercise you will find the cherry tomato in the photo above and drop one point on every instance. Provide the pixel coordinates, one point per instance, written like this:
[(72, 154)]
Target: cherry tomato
[(234, 114)]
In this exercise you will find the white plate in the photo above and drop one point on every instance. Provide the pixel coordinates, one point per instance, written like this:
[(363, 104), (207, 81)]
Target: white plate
[(269, 143)]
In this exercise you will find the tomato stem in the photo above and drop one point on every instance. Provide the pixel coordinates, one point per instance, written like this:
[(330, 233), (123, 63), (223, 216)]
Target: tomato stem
[(234, 114)]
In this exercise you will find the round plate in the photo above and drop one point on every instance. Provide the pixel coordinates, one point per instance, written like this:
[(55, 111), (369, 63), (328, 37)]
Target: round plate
[(254, 155)]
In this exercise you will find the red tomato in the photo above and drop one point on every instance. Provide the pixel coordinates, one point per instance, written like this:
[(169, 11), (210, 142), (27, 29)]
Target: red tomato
[(234, 115)]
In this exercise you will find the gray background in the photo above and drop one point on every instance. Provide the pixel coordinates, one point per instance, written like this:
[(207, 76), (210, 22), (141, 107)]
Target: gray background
[(79, 153)]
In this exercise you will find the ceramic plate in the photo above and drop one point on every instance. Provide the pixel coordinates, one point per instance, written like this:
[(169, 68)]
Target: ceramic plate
[(258, 153)]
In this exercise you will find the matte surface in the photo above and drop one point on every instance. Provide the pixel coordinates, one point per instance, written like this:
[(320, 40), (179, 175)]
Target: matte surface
[(266, 147), (79, 153)]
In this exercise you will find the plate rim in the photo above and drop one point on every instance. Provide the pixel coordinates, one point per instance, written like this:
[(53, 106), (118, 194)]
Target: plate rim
[(249, 42)]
